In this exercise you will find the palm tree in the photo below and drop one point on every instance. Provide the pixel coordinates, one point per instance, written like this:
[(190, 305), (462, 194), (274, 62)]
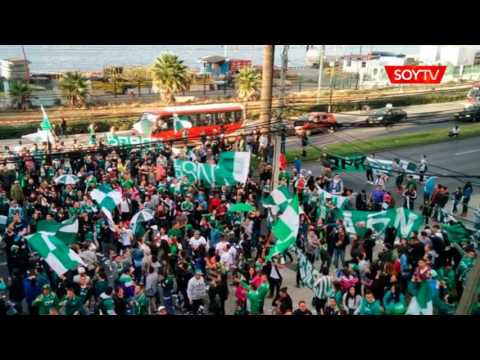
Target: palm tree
[(171, 76), (20, 93), (138, 75), (247, 83), (74, 87)]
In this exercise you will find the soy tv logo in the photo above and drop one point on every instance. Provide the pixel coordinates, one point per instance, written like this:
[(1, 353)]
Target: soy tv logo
[(410, 74)]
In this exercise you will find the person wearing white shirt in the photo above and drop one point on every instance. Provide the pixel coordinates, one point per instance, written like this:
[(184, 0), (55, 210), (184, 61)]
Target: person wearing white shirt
[(197, 240), (221, 246), (126, 236), (228, 257)]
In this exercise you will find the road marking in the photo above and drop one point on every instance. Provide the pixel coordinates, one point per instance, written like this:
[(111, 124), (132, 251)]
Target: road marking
[(467, 152)]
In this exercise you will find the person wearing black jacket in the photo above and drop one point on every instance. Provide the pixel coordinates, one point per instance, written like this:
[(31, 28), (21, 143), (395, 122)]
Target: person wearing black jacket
[(120, 302), (183, 276), (283, 301), (275, 278), (361, 200), (369, 244)]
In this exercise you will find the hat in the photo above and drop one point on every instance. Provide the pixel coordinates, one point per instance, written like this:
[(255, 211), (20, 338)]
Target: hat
[(81, 270), (160, 308), (46, 286), (198, 272)]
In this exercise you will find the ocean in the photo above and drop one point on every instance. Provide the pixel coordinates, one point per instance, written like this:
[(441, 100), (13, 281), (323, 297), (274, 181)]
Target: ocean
[(53, 58)]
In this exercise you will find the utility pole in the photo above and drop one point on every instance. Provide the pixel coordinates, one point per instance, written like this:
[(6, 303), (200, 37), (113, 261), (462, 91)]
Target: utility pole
[(332, 74), (359, 75), (283, 76), (320, 72), (267, 84), (27, 72), (469, 295)]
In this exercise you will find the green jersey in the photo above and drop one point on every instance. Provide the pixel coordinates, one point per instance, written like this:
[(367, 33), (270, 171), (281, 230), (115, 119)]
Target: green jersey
[(253, 302), (367, 308), (72, 305), (187, 206), (45, 303), (141, 304)]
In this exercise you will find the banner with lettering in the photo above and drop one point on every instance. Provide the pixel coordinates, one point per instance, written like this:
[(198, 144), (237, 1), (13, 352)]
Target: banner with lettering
[(118, 140), (403, 220)]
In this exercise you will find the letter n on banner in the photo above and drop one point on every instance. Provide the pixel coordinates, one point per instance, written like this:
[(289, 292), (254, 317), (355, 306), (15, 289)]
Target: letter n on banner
[(407, 221)]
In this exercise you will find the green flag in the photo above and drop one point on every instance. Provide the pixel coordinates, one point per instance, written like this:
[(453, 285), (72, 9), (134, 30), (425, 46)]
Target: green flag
[(45, 124), (55, 253), (106, 197), (180, 123), (278, 199), (67, 230), (457, 232), (286, 228)]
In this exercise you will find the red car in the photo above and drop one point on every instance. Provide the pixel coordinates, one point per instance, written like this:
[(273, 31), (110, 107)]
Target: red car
[(314, 123)]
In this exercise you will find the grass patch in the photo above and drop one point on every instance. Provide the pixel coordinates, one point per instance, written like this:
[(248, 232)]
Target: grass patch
[(384, 143)]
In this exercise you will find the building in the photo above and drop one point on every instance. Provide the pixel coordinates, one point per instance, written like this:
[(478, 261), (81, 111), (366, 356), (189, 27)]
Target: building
[(371, 66), (13, 70), (452, 55)]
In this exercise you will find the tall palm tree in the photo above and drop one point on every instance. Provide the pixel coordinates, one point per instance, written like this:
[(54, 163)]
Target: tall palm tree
[(20, 93), (247, 83), (74, 87), (171, 76)]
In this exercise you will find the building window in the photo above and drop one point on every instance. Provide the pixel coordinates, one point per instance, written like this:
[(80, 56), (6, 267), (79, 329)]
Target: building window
[(375, 72), (364, 64), (349, 62)]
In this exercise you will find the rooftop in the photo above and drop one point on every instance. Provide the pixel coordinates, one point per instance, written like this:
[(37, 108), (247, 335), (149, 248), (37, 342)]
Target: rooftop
[(214, 59)]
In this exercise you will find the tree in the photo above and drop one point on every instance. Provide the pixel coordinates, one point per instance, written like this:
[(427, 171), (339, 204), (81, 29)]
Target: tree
[(74, 87), (247, 83), (171, 76), (138, 75), (20, 92)]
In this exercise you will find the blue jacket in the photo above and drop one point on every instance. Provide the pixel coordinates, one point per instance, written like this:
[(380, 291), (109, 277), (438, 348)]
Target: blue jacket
[(31, 290), (467, 192), (298, 164)]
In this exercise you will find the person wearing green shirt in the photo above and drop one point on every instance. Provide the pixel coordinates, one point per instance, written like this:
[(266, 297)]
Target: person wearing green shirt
[(176, 231), (187, 205), (72, 303), (285, 175), (263, 290), (140, 301), (126, 182), (369, 306), (107, 305), (253, 301), (394, 302), (46, 301)]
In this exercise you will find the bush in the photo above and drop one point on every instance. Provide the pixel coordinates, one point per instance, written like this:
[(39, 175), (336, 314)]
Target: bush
[(396, 101)]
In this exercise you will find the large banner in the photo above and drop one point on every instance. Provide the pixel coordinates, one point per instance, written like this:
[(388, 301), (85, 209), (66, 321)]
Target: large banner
[(403, 220), (232, 168), (128, 140), (387, 166)]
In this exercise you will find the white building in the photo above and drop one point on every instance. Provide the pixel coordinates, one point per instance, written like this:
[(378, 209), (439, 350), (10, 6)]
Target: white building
[(371, 67)]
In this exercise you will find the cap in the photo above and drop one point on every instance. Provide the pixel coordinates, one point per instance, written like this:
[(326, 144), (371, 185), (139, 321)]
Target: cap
[(199, 272), (46, 286), (81, 270), (161, 308)]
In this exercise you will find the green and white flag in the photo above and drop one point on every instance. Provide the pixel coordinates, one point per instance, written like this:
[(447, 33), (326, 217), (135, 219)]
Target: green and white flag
[(403, 220), (45, 124), (109, 218), (278, 199), (106, 197), (180, 123), (234, 165), (139, 218), (145, 125), (379, 166), (55, 253), (286, 228), (457, 233), (339, 201), (232, 168), (422, 300), (67, 230)]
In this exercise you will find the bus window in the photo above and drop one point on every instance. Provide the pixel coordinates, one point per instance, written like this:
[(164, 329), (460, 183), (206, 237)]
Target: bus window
[(238, 116), (163, 123), (228, 117)]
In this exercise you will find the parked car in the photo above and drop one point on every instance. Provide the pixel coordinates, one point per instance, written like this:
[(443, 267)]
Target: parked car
[(472, 114), (313, 123), (386, 116)]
